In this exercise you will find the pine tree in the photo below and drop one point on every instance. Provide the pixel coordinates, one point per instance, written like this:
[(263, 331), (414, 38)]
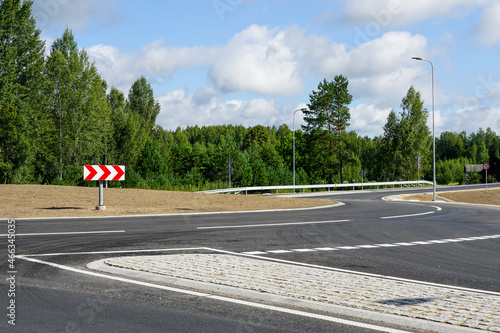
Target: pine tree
[(327, 120)]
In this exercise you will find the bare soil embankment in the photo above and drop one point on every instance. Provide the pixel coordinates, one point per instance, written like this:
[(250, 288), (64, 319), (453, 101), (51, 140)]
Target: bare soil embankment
[(483, 197), (17, 201)]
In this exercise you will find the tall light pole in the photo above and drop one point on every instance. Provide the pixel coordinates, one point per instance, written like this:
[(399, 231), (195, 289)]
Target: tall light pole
[(293, 127), (433, 133)]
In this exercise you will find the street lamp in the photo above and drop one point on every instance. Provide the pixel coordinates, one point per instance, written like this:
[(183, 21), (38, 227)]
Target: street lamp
[(433, 135), (293, 127)]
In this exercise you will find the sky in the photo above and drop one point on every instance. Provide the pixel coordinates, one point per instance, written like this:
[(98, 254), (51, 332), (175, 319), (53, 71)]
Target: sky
[(254, 62)]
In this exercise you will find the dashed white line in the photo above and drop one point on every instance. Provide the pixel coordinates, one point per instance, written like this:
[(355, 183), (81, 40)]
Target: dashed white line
[(374, 246), (325, 248)]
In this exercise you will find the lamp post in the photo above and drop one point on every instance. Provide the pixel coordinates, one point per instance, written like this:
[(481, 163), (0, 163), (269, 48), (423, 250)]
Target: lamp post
[(433, 133), (293, 128)]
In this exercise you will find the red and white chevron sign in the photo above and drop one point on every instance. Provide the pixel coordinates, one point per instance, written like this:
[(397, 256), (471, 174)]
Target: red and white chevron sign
[(103, 172)]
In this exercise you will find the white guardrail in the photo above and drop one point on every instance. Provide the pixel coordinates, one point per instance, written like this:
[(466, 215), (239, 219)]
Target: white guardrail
[(245, 190)]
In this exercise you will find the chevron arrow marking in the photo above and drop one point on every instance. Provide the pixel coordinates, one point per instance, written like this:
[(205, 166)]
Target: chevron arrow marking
[(103, 172)]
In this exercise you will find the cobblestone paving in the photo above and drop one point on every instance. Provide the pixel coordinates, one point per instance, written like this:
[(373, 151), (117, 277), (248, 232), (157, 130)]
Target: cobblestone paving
[(445, 305)]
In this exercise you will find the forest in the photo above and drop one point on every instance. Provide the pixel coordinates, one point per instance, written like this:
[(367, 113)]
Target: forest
[(57, 114)]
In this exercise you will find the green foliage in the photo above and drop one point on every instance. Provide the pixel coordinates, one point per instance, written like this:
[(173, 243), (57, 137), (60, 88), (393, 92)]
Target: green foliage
[(259, 135), (78, 105), (327, 119), (56, 116), (406, 136), (21, 65)]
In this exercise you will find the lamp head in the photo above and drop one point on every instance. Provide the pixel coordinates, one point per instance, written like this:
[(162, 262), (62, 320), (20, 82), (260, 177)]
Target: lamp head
[(417, 58)]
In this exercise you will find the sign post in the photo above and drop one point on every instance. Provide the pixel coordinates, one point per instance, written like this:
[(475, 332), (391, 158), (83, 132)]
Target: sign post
[(418, 170), (362, 173), (103, 173), (486, 166), (230, 169)]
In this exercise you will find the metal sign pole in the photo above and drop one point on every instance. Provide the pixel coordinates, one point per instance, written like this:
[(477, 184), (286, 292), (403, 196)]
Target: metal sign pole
[(486, 166), (486, 180), (101, 197)]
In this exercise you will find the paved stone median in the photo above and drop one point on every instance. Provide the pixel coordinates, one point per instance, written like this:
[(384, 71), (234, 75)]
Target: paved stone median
[(454, 306)]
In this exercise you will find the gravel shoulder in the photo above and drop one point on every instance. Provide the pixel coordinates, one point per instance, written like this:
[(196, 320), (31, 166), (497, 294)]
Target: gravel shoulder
[(22, 201)]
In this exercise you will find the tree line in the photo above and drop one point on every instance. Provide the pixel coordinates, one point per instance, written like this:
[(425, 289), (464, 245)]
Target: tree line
[(57, 114)]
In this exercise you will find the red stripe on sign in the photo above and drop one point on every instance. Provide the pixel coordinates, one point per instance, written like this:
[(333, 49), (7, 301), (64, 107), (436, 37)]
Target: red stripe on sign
[(92, 173), (121, 172), (106, 173)]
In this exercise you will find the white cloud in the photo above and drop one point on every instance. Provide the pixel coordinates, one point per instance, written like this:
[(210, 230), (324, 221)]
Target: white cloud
[(471, 118), (368, 119), (76, 14), (379, 14), (259, 60), (180, 108), (267, 62), (488, 26)]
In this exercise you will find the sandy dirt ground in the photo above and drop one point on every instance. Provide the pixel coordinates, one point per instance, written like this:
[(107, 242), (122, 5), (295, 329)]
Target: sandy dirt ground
[(17, 201), (483, 197)]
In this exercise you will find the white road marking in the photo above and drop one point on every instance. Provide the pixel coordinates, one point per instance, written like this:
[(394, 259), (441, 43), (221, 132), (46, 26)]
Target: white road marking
[(67, 233), (219, 298), (268, 225), (409, 215), (114, 252), (374, 246)]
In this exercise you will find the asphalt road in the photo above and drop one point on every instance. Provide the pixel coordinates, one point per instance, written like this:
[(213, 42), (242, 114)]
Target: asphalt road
[(51, 298)]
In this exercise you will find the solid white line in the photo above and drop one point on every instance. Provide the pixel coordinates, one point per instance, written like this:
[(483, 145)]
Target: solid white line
[(220, 298), (255, 252), (268, 225), (113, 252), (410, 215), (67, 233)]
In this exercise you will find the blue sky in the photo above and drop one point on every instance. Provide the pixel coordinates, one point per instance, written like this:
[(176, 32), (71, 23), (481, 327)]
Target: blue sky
[(253, 62)]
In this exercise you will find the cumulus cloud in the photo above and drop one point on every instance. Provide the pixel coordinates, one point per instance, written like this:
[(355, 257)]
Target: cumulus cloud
[(259, 60), (467, 119), (368, 119), (267, 64), (181, 108)]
